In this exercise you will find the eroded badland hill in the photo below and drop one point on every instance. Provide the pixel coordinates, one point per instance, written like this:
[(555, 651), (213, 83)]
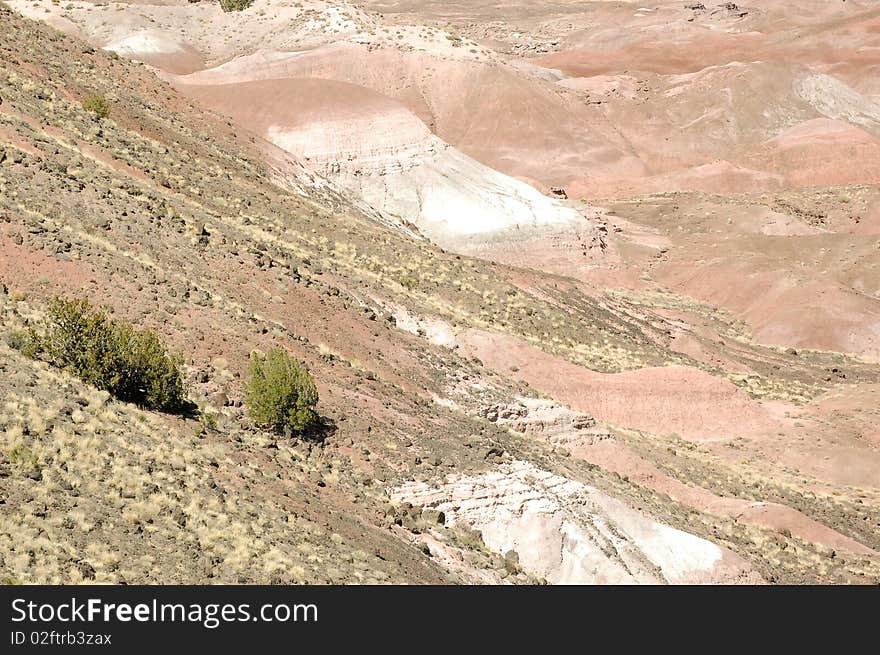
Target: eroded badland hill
[(591, 291)]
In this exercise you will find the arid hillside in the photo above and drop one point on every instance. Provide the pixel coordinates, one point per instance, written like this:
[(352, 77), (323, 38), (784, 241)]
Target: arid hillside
[(517, 386)]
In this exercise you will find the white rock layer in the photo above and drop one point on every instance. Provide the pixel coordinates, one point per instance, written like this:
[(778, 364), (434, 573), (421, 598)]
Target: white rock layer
[(570, 533)]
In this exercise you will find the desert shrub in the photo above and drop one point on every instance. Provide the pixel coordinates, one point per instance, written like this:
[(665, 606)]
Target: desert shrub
[(27, 342), (131, 364), (22, 458), (469, 538), (97, 105), (208, 421), (235, 5), (281, 393)]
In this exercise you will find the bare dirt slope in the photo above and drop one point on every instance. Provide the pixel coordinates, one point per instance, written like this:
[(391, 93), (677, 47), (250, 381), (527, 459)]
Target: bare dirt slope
[(674, 387)]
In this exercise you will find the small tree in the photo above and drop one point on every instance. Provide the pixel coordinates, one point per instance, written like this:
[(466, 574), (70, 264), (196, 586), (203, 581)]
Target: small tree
[(281, 392), (98, 105)]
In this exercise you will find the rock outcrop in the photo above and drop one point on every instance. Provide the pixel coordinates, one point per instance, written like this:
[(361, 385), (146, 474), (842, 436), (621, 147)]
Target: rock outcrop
[(570, 533)]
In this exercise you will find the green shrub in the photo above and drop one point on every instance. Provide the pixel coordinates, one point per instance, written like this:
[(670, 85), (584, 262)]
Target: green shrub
[(132, 365), (22, 458), (235, 5), (281, 393), (208, 420), (28, 343), (98, 105)]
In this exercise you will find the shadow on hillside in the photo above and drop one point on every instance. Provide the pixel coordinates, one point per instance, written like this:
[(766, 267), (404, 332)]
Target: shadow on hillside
[(324, 427), (189, 410)]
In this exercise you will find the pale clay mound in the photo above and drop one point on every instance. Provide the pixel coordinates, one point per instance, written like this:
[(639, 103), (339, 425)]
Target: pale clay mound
[(379, 150), (583, 437), (569, 533)]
